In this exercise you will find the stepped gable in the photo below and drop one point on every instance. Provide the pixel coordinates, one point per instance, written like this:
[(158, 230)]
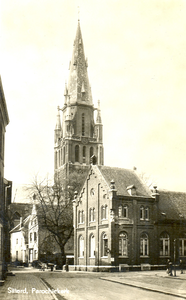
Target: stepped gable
[(124, 178)]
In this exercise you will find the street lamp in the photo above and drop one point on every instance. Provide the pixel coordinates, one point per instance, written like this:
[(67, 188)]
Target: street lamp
[(174, 257)]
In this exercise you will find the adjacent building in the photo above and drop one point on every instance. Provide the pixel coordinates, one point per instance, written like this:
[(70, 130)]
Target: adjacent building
[(119, 221), (5, 188)]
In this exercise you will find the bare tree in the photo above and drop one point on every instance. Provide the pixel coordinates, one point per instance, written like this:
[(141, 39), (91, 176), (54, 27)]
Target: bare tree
[(54, 207)]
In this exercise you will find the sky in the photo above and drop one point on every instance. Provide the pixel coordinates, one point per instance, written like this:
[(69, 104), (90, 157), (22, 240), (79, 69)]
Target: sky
[(137, 69)]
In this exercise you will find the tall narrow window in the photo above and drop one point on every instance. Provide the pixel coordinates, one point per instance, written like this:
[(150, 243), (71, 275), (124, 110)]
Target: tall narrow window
[(144, 245), (146, 213), (120, 211), (141, 213), (123, 244), (63, 155), (164, 244), (103, 212), (81, 246), (84, 154), (83, 124), (182, 245), (106, 212), (92, 246), (104, 245), (77, 153), (125, 211)]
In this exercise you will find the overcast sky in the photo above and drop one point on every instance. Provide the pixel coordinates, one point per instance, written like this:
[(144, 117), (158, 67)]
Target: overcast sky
[(137, 68)]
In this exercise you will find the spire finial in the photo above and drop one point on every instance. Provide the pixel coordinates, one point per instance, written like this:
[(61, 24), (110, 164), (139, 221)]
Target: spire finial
[(78, 14)]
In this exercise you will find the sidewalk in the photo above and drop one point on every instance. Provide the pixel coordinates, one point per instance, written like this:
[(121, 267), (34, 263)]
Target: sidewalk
[(156, 281), (28, 284)]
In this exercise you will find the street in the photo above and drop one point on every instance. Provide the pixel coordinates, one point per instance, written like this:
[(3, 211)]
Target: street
[(84, 286)]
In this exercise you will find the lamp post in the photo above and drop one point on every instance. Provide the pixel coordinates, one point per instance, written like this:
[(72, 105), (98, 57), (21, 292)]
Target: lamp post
[(174, 257)]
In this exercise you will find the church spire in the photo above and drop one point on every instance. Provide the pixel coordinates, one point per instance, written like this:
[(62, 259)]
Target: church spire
[(78, 83)]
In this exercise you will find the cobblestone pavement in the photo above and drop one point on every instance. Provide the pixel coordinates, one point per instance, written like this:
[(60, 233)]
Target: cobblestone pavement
[(25, 282)]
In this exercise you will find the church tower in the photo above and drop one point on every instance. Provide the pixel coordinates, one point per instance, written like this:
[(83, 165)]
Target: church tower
[(78, 138)]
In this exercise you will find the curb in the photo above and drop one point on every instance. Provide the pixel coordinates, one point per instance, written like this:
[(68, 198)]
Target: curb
[(145, 288)]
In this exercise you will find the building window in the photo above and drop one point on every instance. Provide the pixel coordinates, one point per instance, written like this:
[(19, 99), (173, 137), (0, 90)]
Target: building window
[(81, 246), (146, 213), (164, 244), (91, 151), (16, 255), (31, 237), (35, 236), (35, 254), (92, 246), (63, 155), (182, 245), (84, 154), (104, 245), (16, 241), (104, 212), (123, 244), (120, 211), (144, 245), (92, 214), (141, 213), (77, 153), (125, 211), (83, 124), (81, 217)]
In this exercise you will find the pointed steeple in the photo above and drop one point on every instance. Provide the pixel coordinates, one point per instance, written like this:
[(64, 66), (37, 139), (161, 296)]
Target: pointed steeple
[(58, 131), (98, 119), (78, 83)]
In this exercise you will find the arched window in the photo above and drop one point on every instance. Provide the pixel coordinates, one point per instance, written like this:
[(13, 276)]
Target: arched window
[(84, 154), (123, 244), (92, 246), (81, 217), (77, 153), (83, 124), (146, 213), (142, 213), (144, 244), (92, 214), (182, 244), (81, 246), (164, 244), (125, 211), (103, 212), (120, 211), (104, 245)]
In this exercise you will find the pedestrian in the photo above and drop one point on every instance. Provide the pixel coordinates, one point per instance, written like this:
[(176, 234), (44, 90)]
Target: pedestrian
[(181, 266), (167, 266), (170, 268)]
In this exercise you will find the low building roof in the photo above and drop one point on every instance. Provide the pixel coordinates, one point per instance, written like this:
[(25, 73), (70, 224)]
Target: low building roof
[(172, 205)]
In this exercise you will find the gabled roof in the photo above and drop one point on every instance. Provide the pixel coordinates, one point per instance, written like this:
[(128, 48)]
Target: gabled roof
[(172, 205), (124, 178)]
